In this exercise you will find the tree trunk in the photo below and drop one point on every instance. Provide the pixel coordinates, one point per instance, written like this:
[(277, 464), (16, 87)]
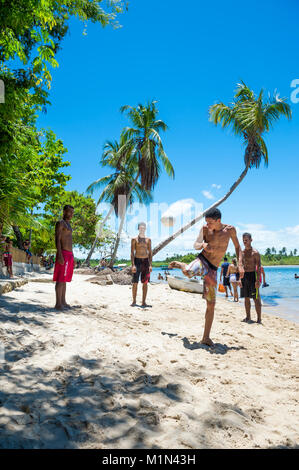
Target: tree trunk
[(97, 237), (164, 243), (122, 222), (19, 236)]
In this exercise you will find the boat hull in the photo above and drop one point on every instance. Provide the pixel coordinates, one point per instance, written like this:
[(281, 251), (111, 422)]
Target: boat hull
[(185, 285)]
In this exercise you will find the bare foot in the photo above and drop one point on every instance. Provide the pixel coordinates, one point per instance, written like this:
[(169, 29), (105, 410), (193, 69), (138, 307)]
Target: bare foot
[(208, 342), (133, 304), (259, 321), (246, 319), (66, 306), (145, 305), (58, 307)]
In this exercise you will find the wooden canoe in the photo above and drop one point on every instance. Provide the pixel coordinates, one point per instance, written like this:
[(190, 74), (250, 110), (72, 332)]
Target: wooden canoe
[(185, 285)]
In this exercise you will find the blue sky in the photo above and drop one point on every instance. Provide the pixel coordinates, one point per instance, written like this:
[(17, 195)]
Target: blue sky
[(187, 56)]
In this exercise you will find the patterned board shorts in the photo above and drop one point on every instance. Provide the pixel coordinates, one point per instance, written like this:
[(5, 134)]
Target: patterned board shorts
[(142, 270), (202, 267)]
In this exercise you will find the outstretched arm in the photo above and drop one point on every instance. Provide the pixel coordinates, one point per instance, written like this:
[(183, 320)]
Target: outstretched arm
[(238, 251)]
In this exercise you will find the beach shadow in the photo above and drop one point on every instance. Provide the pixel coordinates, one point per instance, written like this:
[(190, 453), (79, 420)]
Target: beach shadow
[(217, 349), (171, 335), (81, 402)]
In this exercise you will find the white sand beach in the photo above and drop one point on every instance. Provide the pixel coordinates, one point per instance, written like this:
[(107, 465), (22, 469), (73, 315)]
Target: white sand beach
[(107, 375)]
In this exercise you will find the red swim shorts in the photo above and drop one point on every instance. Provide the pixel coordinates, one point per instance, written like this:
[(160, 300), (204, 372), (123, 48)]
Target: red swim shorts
[(7, 259), (64, 272)]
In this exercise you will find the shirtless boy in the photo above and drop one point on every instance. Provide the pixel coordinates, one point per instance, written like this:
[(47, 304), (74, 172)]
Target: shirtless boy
[(251, 279), (213, 240), (64, 263), (141, 258)]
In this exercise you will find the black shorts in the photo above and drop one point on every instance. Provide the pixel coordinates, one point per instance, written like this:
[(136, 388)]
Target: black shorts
[(226, 281), (248, 288), (142, 269)]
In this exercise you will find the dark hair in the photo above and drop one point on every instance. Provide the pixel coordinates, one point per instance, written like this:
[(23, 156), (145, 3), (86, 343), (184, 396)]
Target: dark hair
[(141, 223), (68, 206), (235, 261), (213, 214), (225, 258), (247, 234)]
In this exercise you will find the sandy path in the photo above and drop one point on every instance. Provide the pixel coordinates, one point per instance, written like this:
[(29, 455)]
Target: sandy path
[(108, 375)]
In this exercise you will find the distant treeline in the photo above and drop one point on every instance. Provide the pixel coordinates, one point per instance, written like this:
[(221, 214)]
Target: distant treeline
[(270, 258)]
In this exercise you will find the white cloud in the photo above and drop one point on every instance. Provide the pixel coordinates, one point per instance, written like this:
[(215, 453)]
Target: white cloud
[(207, 194), (217, 186), (262, 238)]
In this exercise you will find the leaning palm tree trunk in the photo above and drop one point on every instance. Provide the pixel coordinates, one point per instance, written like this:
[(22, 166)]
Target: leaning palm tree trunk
[(122, 221), (97, 237), (162, 245)]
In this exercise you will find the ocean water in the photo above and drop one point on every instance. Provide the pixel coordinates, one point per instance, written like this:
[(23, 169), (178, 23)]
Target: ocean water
[(281, 297)]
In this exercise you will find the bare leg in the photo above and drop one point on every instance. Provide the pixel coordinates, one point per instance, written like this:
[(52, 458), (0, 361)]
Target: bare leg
[(247, 309), (179, 265), (208, 324), (134, 293), (59, 286), (144, 293), (64, 304), (236, 296), (258, 308), (226, 293)]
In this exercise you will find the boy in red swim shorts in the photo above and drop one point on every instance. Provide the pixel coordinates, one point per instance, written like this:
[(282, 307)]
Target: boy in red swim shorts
[(64, 263)]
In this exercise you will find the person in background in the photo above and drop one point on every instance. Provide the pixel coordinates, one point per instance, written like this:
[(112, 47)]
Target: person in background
[(141, 258), (224, 279), (7, 256), (264, 277), (296, 276), (232, 273), (251, 279), (26, 248), (64, 263)]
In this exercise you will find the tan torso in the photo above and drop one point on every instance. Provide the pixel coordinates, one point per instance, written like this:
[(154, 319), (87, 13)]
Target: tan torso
[(250, 259), (66, 235), (141, 247), (218, 243), (233, 269)]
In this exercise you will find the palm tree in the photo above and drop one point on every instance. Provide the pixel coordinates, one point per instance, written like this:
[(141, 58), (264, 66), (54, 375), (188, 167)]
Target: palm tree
[(143, 148), (122, 182), (112, 156), (295, 251), (273, 250), (250, 117)]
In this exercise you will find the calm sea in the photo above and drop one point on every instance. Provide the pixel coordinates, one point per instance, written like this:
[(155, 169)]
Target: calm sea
[(280, 298)]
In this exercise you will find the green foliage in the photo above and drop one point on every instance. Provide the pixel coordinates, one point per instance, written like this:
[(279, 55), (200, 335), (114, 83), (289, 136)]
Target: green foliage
[(84, 221), (31, 31), (250, 116), (144, 137)]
